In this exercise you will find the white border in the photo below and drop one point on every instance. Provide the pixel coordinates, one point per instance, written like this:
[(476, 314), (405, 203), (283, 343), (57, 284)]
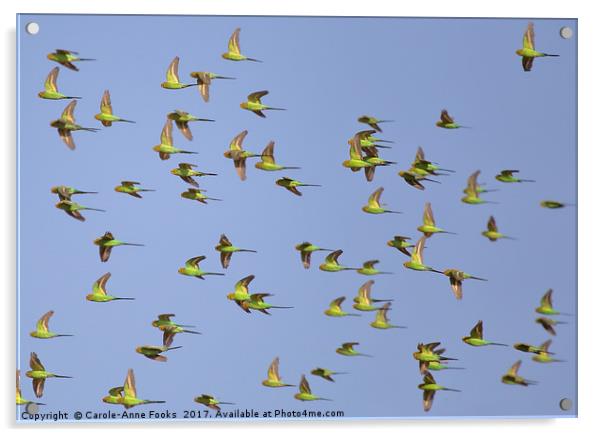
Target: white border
[(589, 161)]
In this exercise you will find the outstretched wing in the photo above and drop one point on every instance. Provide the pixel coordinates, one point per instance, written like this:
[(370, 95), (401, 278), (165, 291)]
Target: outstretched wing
[(194, 261), (129, 387), (233, 42), (333, 257), (50, 84), (428, 217), (105, 103), (273, 374), (546, 300), (42, 325), (514, 369), (256, 96), (304, 385), (418, 249), (172, 71), (477, 331), (35, 363), (445, 117), (267, 155), (491, 225), (67, 114), (529, 37), (374, 199), (166, 133), (365, 290), (100, 284), (236, 143), (472, 186)]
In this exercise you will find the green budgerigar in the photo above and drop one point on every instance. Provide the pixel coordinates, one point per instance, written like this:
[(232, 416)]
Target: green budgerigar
[(51, 91)]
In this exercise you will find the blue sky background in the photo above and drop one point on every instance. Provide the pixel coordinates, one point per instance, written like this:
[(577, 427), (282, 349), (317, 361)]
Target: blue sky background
[(326, 72)]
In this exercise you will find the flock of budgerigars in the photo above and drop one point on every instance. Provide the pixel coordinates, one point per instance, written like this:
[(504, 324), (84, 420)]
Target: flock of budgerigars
[(363, 155)]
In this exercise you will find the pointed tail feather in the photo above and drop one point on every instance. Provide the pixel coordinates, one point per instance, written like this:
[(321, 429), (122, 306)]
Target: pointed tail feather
[(94, 209), (452, 389), (309, 185), (133, 244), (86, 59), (189, 152), (224, 77), (72, 97), (280, 307), (291, 168), (126, 121), (393, 212), (248, 250), (253, 60), (63, 376), (498, 344), (548, 54), (124, 298), (276, 109), (172, 348), (64, 335), (192, 332)]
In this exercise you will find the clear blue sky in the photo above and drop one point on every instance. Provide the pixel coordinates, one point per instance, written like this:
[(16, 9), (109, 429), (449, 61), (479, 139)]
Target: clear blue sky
[(326, 72)]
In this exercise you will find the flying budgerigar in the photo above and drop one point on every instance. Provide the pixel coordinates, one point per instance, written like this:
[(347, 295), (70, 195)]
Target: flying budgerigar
[(182, 118), (356, 160), (51, 91), (211, 402), (531, 349), (363, 301), (227, 249), (236, 153), (476, 337), (371, 157), (428, 226), (446, 121), (492, 233), (274, 380), (334, 308), (305, 393), (241, 289), (170, 328), (233, 53), (192, 268), (382, 320), (131, 188), (253, 104), (347, 349), (429, 387), (130, 398), (306, 249), (107, 242), (415, 262), (66, 125), (172, 79), (256, 302), (292, 185), (472, 191), (414, 180), (106, 116), (372, 122), (42, 330), (507, 176), (331, 263), (369, 269), (38, 374), (455, 279), (374, 206), (401, 243), (186, 172), (528, 52), (544, 355), (428, 353), (67, 58), (99, 291), (166, 148), (268, 163), (422, 167), (549, 324), (72, 209), (197, 195), (512, 378), (64, 192), (204, 79), (546, 307), (326, 374), (154, 352), (553, 204)]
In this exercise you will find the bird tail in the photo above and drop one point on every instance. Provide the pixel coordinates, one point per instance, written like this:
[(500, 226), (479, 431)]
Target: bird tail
[(227, 403), (380, 146), (309, 185), (124, 298), (385, 141), (492, 202), (436, 271), (126, 121), (527, 180), (94, 209), (386, 121), (212, 198), (188, 152), (191, 332), (172, 348), (431, 180), (64, 335), (452, 389), (248, 250), (549, 54), (214, 274), (477, 278), (455, 368), (399, 327), (224, 77), (276, 109), (90, 129), (202, 119), (146, 190), (72, 97), (86, 192), (365, 355), (393, 212), (498, 344), (447, 359), (291, 168), (63, 376), (340, 373), (382, 300), (530, 382), (86, 59), (154, 402), (447, 169), (324, 399), (280, 307), (253, 60), (209, 174), (133, 244), (509, 238)]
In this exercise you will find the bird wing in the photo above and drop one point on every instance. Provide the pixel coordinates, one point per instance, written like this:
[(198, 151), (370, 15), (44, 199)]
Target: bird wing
[(65, 52), (233, 42), (304, 385), (333, 257), (186, 166), (35, 363), (336, 304), (370, 263), (349, 345), (42, 325), (365, 290), (166, 134), (105, 103), (456, 286), (236, 143), (168, 337), (50, 84), (477, 331), (185, 129), (428, 396), (545, 346), (273, 374), (116, 391), (67, 114), (38, 386), (381, 315), (445, 117), (546, 300), (105, 253), (165, 317), (514, 369), (428, 378), (374, 199), (419, 155), (129, 387), (471, 187), (224, 241), (267, 155), (240, 165), (417, 252), (306, 259), (244, 282), (100, 284), (527, 62), (172, 70), (529, 37), (129, 184), (508, 172), (428, 218), (194, 261), (491, 225), (355, 148), (67, 138), (256, 96)]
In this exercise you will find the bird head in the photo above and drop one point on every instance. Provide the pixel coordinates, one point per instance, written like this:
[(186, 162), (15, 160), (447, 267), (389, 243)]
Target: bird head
[(230, 296)]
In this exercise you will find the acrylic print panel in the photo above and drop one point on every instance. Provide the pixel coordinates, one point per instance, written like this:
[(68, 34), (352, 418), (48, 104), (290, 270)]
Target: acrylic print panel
[(336, 78)]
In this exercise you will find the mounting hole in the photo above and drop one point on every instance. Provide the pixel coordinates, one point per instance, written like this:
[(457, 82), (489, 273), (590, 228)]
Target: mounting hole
[(566, 32), (566, 404), (32, 28), (32, 408)]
